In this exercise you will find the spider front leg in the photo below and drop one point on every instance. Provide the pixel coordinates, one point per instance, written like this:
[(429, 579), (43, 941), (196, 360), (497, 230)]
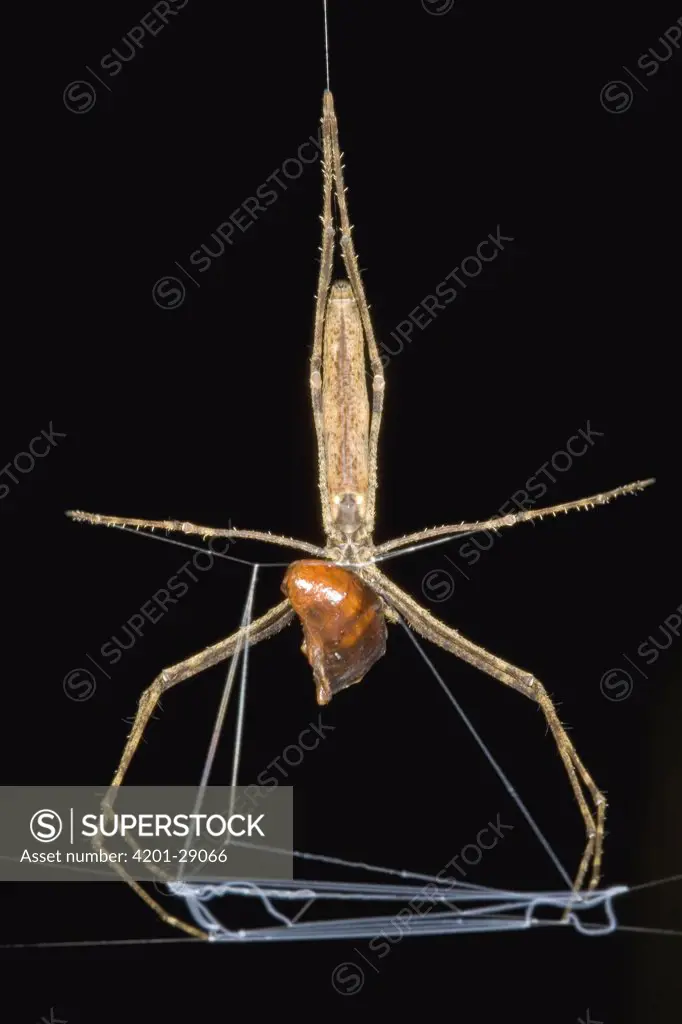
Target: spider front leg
[(450, 640), (260, 629)]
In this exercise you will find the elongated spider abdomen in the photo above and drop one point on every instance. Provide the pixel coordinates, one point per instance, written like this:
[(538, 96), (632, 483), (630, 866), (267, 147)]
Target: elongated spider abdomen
[(343, 623)]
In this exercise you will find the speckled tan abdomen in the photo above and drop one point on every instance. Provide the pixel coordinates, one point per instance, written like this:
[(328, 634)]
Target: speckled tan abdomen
[(345, 407)]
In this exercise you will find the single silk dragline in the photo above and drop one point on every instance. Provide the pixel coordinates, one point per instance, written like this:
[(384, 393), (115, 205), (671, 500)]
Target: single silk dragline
[(340, 595)]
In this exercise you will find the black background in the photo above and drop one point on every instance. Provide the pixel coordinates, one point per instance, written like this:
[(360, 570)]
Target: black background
[(454, 125)]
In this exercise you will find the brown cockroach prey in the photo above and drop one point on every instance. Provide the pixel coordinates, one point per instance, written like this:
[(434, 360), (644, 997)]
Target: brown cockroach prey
[(340, 595)]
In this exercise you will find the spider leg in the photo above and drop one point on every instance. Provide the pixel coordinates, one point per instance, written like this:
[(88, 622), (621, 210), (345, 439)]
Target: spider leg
[(350, 260), (260, 629), (511, 520), (432, 629), (324, 279), (175, 526)]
